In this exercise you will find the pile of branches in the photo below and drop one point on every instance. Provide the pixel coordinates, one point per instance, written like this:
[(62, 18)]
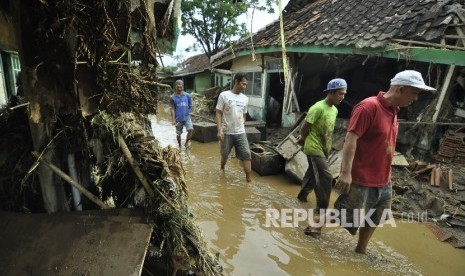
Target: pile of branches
[(108, 47), (129, 144), (99, 38)]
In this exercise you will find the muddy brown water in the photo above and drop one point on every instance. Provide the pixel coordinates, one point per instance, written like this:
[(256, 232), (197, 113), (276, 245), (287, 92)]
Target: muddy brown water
[(232, 216)]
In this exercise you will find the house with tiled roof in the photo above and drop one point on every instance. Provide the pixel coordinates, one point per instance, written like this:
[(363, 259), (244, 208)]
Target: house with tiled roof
[(365, 42), (198, 75)]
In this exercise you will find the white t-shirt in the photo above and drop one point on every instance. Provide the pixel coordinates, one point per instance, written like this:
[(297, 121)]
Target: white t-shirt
[(234, 106)]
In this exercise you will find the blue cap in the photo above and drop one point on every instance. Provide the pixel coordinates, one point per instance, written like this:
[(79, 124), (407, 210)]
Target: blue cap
[(336, 84)]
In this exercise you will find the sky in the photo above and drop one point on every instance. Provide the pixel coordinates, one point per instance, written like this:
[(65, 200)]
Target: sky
[(260, 20)]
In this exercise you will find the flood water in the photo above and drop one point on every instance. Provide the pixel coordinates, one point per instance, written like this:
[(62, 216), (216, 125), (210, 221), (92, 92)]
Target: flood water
[(232, 215)]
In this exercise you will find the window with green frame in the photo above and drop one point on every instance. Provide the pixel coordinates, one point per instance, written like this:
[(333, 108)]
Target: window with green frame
[(254, 88)]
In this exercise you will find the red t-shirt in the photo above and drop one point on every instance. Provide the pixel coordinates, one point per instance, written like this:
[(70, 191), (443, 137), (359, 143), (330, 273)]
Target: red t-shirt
[(374, 120)]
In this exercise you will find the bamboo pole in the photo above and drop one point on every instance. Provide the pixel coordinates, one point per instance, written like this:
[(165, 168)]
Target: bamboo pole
[(155, 83), (135, 166), (283, 43), (429, 44), (73, 183)]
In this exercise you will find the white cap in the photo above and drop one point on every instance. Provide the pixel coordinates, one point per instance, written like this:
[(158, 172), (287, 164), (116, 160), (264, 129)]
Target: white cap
[(411, 78)]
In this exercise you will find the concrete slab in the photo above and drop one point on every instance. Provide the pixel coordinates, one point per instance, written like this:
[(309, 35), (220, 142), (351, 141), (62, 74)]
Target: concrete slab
[(260, 125), (204, 132), (60, 244), (253, 135), (297, 166)]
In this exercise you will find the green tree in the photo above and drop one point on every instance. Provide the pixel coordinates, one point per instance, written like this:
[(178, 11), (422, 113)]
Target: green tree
[(214, 23)]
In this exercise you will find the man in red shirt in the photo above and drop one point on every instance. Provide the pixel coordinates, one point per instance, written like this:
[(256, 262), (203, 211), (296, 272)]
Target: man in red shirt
[(365, 177)]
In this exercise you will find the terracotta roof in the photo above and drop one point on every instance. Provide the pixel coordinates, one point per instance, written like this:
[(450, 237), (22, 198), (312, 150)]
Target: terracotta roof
[(194, 64), (360, 24)]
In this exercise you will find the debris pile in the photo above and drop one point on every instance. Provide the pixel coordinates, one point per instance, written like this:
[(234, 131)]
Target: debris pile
[(163, 198)]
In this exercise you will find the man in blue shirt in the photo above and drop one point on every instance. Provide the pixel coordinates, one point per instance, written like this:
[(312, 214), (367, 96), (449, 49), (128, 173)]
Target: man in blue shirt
[(181, 103)]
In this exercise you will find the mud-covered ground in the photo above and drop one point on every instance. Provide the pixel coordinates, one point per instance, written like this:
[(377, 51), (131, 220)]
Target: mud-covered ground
[(414, 196)]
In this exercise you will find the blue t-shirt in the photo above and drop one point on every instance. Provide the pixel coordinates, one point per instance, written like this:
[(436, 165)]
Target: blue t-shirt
[(181, 104)]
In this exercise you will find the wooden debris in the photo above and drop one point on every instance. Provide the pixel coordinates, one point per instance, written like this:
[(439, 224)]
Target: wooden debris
[(426, 169), (437, 177), (433, 177), (450, 180)]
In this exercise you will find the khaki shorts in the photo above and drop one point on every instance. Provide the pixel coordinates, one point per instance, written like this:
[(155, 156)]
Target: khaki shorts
[(361, 201)]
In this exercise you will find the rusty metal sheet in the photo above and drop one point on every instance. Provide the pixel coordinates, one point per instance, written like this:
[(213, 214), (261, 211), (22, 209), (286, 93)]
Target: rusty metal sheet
[(41, 244)]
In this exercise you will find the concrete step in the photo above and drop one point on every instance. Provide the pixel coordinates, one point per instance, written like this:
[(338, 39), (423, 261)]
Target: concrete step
[(260, 125), (204, 132)]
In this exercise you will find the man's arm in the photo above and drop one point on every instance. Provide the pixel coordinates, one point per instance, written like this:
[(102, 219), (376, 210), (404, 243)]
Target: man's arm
[(219, 119), (173, 113), (348, 153), (304, 131)]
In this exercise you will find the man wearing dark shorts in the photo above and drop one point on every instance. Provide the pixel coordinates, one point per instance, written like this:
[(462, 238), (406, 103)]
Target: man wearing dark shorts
[(365, 177)]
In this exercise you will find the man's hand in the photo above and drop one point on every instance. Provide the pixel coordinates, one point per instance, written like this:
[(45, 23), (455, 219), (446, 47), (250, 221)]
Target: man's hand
[(300, 140), (343, 183), (220, 135)]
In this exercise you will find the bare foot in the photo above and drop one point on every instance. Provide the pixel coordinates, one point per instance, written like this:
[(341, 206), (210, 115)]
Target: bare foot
[(248, 176)]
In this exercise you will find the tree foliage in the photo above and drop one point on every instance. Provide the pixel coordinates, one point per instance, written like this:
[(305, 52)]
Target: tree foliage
[(214, 23)]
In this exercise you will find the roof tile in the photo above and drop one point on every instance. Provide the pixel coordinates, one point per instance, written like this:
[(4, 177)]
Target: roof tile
[(368, 23)]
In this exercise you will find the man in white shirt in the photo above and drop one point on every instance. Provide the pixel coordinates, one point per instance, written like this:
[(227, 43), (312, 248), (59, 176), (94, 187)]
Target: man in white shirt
[(231, 110)]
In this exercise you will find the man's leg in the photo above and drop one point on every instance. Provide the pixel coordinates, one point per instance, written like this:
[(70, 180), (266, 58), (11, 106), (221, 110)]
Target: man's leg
[(323, 184), (248, 170), (308, 182), (364, 236), (190, 129), (225, 149), (178, 137), (243, 153), (188, 138), (179, 126), (380, 200)]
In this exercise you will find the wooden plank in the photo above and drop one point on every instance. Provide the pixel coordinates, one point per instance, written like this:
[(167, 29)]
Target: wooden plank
[(42, 244), (444, 89)]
